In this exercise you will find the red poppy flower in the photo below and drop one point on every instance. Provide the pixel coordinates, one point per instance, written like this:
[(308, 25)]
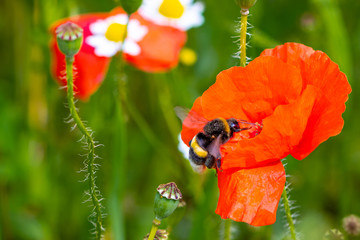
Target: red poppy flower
[(148, 46), (298, 96)]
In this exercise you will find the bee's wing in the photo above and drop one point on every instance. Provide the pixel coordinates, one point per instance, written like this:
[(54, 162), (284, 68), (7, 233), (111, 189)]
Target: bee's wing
[(181, 112), (214, 147), (190, 119)]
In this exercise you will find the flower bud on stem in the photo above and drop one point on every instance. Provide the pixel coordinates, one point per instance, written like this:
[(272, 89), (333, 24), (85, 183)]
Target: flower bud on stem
[(245, 3), (166, 201), (130, 6), (69, 39)]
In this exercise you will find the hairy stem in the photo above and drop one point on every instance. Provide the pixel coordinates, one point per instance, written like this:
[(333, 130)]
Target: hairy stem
[(91, 147), (227, 230), (243, 29), (288, 214)]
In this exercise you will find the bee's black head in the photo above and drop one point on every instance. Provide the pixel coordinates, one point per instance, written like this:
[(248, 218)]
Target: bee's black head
[(234, 125)]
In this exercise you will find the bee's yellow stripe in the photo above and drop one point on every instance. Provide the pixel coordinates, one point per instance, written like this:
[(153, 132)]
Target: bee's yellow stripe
[(197, 149), (226, 125)]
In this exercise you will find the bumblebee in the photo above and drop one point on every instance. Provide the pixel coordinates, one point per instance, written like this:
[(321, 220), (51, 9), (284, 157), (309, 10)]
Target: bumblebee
[(205, 146)]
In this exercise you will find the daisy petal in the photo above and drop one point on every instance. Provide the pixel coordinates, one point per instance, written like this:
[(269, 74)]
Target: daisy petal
[(119, 18), (136, 30), (103, 47), (191, 17), (98, 27), (131, 48)]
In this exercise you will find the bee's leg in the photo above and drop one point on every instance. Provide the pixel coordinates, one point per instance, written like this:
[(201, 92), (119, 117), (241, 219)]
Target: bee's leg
[(210, 161), (218, 163)]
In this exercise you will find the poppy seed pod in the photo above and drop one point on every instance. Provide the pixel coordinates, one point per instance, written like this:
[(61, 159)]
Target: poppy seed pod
[(166, 200), (130, 6), (69, 38), (245, 4)]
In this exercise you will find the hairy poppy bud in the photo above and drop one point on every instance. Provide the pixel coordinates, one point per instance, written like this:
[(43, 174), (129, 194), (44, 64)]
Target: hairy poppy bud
[(130, 6), (245, 4), (166, 200), (69, 38)]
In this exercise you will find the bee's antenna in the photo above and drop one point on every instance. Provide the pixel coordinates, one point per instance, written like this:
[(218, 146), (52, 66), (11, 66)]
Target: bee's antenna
[(243, 121)]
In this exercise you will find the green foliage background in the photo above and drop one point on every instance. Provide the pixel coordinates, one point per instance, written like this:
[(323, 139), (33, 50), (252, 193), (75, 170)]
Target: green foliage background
[(41, 192)]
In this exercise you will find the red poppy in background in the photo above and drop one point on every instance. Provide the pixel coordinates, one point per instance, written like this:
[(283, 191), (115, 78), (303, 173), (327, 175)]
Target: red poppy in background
[(160, 47), (147, 46), (298, 96)]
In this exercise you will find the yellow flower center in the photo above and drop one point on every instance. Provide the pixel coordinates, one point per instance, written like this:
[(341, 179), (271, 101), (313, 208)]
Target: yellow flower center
[(188, 56), (171, 8), (116, 32)]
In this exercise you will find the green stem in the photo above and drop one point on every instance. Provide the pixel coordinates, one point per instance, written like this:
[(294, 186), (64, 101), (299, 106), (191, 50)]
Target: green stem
[(227, 230), (243, 29), (166, 105), (288, 214), (91, 147), (120, 152), (119, 166), (146, 129), (154, 228), (140, 121)]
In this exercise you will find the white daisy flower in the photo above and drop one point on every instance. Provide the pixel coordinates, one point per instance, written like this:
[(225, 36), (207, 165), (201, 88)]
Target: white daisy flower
[(181, 14), (108, 35), (184, 149)]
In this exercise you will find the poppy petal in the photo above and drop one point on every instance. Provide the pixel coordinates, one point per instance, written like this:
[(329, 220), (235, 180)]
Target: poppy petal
[(89, 69), (295, 54), (160, 48), (281, 132), (325, 120), (252, 92), (251, 195), (317, 69)]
